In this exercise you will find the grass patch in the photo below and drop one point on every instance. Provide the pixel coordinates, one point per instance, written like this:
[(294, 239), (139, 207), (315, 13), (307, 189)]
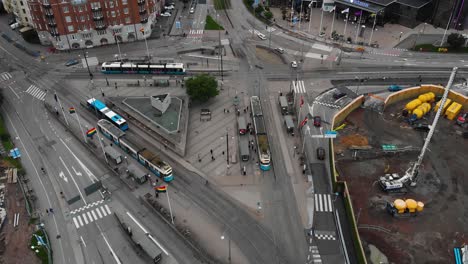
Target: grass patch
[(222, 4), (41, 250), (211, 24), (432, 48)]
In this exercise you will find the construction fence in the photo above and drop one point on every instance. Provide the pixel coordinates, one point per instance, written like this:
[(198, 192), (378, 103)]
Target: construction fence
[(341, 186)]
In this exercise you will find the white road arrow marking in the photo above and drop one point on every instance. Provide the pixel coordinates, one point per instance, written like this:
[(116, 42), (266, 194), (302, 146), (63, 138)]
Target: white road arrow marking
[(90, 174), (62, 175), (77, 172)]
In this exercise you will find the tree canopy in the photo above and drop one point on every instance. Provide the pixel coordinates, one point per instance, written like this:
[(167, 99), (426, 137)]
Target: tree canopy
[(202, 87)]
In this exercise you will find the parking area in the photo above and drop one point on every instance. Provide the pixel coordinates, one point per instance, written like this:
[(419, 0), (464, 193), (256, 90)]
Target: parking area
[(442, 186)]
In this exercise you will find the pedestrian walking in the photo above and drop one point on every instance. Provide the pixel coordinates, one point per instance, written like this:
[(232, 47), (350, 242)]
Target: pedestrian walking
[(245, 111), (47, 211), (213, 158), (224, 110), (51, 210), (211, 151), (223, 152)]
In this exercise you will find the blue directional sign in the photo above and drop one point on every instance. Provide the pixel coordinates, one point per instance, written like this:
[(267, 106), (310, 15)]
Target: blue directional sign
[(330, 134), (178, 24)]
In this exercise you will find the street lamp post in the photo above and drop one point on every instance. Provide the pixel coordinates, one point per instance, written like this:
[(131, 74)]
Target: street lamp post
[(359, 82), (229, 245)]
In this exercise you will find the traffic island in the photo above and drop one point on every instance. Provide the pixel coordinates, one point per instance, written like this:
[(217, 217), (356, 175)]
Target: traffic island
[(164, 115)]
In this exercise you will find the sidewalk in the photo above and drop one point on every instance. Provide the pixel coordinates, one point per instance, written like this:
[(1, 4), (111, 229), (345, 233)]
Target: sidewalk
[(387, 37)]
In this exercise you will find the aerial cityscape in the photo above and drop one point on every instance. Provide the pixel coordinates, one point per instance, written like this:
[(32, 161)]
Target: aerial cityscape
[(229, 131)]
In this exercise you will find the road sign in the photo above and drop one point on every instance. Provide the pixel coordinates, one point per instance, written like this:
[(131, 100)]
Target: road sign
[(331, 132), (178, 24)]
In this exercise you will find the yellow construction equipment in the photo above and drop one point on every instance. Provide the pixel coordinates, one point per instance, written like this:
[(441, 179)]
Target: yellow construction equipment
[(453, 110)]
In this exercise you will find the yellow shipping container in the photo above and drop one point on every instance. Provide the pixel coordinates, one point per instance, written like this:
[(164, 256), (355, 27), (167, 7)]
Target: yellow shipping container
[(447, 103), (453, 110)]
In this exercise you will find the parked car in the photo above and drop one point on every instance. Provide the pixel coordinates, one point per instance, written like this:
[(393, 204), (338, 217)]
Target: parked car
[(320, 153), (280, 50), (317, 121), (15, 25), (192, 10), (71, 62), (166, 14), (338, 95), (169, 7), (461, 119), (261, 36), (294, 64), (422, 127), (394, 88)]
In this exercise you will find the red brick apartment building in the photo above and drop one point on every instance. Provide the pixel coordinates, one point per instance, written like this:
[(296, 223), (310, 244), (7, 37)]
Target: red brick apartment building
[(74, 24)]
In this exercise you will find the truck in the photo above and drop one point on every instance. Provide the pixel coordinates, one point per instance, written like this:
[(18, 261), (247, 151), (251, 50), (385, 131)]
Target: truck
[(141, 241)]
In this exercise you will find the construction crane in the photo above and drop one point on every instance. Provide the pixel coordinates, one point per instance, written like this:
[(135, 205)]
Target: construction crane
[(412, 172)]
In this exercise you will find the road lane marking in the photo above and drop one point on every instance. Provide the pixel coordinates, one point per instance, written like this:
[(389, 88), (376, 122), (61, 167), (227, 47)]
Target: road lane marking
[(85, 219), (90, 217), (90, 174), (82, 240), (116, 258), (62, 175), (77, 172), (107, 208), (17, 96), (79, 220), (98, 212), (76, 222), (73, 179), (94, 215), (147, 233), (103, 211)]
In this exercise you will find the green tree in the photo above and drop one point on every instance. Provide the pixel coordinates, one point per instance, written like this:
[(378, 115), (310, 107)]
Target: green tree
[(250, 3), (202, 87), (455, 40), (259, 9), (268, 15)]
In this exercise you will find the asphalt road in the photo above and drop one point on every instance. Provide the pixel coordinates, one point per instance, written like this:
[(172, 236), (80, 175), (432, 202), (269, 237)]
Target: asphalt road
[(49, 145)]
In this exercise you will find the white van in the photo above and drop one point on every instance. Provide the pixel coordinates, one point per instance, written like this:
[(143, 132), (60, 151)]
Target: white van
[(15, 25), (261, 36)]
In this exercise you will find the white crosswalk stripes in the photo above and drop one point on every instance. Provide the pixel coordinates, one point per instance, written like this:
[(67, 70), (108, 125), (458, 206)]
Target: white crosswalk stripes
[(5, 76), (315, 254), (299, 87), (36, 92), (195, 33), (323, 203), (91, 216)]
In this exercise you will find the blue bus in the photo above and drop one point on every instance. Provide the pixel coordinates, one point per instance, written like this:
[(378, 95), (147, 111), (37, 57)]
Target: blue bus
[(110, 115)]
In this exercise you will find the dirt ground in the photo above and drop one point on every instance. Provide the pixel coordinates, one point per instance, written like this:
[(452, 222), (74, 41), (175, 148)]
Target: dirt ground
[(442, 186), (14, 241), (268, 56)]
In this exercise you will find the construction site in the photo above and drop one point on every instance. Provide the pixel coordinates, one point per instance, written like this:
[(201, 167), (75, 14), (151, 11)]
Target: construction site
[(408, 203)]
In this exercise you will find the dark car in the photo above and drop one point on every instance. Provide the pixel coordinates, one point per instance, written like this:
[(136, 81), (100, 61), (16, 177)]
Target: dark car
[(317, 121), (422, 127), (320, 153), (338, 95), (71, 62)]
